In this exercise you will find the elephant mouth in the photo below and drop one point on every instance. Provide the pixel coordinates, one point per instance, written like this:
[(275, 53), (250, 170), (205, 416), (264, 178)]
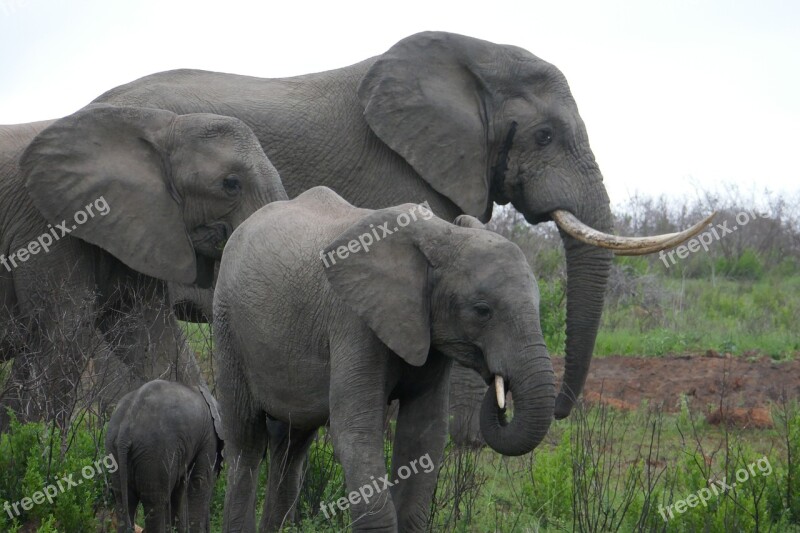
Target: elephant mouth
[(624, 245), (209, 240), (205, 271), (469, 356)]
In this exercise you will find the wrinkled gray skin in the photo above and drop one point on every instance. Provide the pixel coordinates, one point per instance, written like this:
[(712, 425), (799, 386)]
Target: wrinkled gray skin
[(299, 344), (175, 188), (168, 453), (443, 118)]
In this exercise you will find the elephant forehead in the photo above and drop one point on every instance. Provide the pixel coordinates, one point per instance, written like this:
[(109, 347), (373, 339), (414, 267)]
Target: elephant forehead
[(488, 247), (493, 265), (217, 132)]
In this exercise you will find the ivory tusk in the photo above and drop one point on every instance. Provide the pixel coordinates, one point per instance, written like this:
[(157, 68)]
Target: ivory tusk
[(624, 245), (500, 391)]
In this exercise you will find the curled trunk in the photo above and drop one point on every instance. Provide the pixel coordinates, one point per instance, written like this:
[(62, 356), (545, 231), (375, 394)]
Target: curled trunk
[(532, 386)]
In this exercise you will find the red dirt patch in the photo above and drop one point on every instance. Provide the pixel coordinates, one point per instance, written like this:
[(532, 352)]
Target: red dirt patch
[(742, 417), (748, 388)]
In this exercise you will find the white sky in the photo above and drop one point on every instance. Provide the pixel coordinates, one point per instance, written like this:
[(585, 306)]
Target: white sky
[(674, 94)]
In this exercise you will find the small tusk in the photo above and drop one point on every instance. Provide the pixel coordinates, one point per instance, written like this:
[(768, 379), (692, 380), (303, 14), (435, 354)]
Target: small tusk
[(500, 390), (624, 245)]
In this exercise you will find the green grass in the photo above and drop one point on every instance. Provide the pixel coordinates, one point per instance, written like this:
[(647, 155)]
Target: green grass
[(199, 337), (663, 341), (611, 471), (599, 470), (734, 316)]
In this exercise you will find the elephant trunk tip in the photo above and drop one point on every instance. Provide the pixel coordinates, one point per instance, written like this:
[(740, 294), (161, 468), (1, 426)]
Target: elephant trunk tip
[(564, 404), (532, 416)]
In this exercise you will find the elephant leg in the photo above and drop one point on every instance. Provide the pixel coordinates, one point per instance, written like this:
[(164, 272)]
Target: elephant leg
[(157, 478), (357, 412), (419, 443), (245, 444), (467, 389), (200, 488), (157, 516), (287, 447), (178, 503), (124, 509), (133, 505)]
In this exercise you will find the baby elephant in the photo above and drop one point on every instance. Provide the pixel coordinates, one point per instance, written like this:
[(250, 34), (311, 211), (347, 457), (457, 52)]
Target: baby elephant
[(167, 440), (324, 311)]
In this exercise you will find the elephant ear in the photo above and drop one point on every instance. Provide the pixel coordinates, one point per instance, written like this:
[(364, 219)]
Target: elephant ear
[(214, 408), (118, 156), (387, 284), (423, 99)]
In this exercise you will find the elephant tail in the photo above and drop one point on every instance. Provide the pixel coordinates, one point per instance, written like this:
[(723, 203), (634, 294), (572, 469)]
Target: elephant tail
[(122, 461)]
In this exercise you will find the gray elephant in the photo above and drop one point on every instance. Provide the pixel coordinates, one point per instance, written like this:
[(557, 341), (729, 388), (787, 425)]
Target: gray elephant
[(96, 210), (167, 440), (451, 120), (324, 311)]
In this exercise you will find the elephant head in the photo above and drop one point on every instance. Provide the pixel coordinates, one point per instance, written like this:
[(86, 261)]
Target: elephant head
[(464, 292), (169, 189), (484, 123)]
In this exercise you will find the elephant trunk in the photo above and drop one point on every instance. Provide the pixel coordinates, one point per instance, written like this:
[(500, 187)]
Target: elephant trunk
[(531, 382), (588, 269)]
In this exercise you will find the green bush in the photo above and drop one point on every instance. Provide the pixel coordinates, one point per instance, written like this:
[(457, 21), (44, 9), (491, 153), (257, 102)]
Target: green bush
[(550, 484), (553, 314), (747, 266), (637, 265), (31, 459), (784, 498)]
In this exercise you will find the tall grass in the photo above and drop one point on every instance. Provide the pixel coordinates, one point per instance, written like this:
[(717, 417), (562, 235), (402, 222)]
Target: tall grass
[(741, 296)]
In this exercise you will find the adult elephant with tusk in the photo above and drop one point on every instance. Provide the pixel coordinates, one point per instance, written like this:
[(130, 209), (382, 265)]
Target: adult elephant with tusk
[(451, 120)]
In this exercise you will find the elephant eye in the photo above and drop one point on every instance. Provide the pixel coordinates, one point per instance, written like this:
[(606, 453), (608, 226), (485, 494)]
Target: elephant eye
[(232, 184), (543, 136), (482, 310)]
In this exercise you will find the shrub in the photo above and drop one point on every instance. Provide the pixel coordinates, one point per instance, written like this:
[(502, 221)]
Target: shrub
[(553, 314), (747, 266), (31, 459)]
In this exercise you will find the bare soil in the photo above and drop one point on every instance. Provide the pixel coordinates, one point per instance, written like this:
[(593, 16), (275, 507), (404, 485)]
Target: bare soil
[(724, 387)]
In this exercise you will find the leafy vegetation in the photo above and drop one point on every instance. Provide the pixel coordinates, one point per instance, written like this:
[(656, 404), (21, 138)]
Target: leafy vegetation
[(741, 296), (32, 457), (599, 470)]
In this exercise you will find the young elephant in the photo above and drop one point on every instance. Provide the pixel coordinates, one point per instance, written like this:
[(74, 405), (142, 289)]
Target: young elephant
[(324, 311), (167, 440)]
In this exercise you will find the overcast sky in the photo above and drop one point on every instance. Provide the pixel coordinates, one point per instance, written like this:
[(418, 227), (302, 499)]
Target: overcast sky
[(674, 94)]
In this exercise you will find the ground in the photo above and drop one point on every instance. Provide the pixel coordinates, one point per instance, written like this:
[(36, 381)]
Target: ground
[(749, 384)]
